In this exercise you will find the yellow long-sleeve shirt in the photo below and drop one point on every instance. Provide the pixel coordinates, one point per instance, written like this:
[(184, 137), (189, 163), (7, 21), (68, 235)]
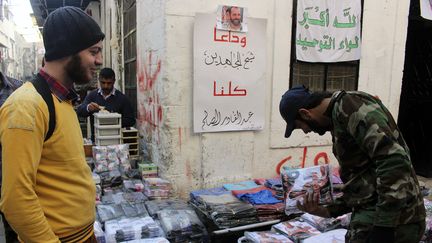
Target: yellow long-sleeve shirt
[(47, 191)]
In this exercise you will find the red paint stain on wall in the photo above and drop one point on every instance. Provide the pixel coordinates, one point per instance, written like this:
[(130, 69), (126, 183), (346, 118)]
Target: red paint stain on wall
[(150, 112), (304, 157), (279, 165), (318, 157), (148, 73)]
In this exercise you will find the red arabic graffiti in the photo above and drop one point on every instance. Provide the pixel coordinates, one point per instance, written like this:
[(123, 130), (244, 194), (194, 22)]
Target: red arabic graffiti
[(320, 158), (146, 74), (149, 107)]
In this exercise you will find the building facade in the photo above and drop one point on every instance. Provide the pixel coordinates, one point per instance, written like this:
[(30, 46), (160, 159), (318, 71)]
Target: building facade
[(150, 42)]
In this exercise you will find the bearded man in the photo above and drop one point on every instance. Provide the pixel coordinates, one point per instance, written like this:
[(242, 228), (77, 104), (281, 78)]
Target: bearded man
[(48, 194), (380, 186)]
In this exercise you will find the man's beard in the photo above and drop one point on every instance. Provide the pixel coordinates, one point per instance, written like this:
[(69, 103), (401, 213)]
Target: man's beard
[(236, 22), (75, 71), (315, 127)]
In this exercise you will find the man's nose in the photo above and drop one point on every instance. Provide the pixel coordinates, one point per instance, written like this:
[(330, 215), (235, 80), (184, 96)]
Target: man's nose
[(99, 60)]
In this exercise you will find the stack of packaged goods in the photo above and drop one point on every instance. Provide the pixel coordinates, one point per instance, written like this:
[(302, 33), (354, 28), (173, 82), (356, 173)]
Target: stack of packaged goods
[(121, 209), (297, 182), (305, 229), (148, 170), (234, 214), (238, 204), (126, 229), (221, 207), (266, 212), (178, 220), (197, 198), (182, 225), (268, 207), (157, 188), (296, 230), (133, 185), (208, 203), (111, 157), (128, 204), (322, 224), (265, 236), (153, 207)]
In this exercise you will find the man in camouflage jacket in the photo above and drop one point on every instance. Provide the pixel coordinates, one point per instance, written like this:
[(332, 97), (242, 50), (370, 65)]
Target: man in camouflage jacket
[(380, 186)]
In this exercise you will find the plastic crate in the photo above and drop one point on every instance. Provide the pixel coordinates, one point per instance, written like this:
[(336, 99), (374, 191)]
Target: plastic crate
[(103, 118), (107, 140), (107, 130)]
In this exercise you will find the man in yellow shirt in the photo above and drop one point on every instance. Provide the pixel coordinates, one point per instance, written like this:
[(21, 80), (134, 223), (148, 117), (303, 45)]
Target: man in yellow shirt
[(48, 194)]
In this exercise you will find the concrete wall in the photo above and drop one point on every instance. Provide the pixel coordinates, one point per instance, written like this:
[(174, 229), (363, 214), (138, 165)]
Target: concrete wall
[(165, 81)]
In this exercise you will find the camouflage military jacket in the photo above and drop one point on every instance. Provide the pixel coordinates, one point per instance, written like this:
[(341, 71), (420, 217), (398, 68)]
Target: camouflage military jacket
[(374, 161)]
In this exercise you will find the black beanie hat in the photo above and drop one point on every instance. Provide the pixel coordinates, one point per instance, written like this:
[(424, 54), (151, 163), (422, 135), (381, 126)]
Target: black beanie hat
[(67, 31)]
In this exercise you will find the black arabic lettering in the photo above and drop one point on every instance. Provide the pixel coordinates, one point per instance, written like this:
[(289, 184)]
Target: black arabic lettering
[(235, 60), (234, 118)]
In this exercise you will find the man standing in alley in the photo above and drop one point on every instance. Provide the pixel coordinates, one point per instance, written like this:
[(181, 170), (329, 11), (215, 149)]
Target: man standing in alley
[(48, 194), (380, 186), (109, 98)]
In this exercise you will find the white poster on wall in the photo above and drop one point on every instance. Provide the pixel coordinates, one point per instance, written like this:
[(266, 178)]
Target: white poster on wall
[(328, 30), (229, 76)]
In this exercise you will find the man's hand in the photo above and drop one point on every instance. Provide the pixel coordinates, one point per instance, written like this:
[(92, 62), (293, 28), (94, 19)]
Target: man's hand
[(310, 205), (381, 234), (93, 107)]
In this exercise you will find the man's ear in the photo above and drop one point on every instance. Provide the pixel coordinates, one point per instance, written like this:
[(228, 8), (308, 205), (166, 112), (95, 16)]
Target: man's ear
[(304, 114)]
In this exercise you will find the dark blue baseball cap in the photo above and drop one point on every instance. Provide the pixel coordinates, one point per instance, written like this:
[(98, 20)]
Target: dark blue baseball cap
[(290, 103)]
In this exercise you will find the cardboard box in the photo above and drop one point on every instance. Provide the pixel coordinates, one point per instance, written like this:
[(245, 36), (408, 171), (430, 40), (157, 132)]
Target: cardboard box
[(88, 150)]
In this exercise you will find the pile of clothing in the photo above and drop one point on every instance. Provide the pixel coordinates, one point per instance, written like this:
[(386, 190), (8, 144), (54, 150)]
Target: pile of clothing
[(241, 203), (120, 230), (182, 225), (276, 185), (266, 204), (234, 214), (205, 199), (154, 207)]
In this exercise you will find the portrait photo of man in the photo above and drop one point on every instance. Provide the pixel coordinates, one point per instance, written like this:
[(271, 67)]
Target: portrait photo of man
[(231, 18)]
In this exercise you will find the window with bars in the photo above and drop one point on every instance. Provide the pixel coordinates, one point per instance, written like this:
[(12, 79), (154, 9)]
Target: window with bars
[(129, 52), (321, 76)]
